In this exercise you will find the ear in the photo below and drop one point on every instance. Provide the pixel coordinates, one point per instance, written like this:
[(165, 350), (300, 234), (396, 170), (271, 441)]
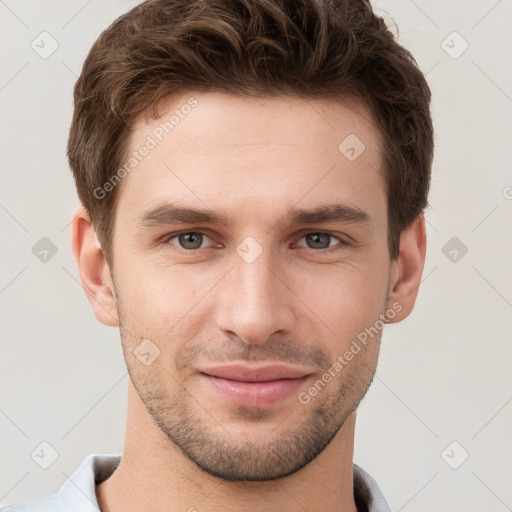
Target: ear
[(93, 269), (407, 269)]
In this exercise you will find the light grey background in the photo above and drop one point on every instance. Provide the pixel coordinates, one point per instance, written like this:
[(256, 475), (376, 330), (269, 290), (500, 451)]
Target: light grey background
[(444, 373)]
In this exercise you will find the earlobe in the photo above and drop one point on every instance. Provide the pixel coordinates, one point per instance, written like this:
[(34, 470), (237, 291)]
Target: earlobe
[(93, 268), (407, 270)]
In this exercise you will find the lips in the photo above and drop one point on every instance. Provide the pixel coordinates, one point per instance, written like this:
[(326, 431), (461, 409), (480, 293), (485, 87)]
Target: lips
[(254, 386), (245, 373)]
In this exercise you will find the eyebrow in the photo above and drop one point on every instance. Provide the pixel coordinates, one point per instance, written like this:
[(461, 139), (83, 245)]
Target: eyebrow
[(167, 214)]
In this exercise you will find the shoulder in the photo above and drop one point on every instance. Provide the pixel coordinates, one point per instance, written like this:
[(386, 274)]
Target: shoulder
[(78, 492), (43, 504)]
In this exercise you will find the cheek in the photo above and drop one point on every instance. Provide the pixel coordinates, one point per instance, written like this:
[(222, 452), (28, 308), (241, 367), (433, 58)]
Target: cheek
[(346, 299), (160, 303)]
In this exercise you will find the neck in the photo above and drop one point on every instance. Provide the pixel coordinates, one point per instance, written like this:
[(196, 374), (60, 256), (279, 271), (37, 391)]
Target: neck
[(155, 475)]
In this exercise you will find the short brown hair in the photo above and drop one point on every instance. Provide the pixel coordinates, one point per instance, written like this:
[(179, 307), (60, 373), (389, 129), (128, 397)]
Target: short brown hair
[(307, 48)]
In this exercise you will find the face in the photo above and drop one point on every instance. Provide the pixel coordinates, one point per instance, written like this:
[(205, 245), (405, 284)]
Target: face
[(250, 258)]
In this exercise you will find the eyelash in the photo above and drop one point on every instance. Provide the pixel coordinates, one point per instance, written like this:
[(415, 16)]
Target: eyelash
[(343, 243)]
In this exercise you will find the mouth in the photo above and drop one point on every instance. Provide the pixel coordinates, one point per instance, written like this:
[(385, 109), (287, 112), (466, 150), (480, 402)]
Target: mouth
[(254, 386)]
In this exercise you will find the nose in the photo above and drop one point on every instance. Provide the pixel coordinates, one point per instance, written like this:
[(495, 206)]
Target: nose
[(255, 301)]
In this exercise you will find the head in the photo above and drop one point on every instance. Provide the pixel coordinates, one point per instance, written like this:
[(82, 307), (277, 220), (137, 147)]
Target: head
[(253, 176)]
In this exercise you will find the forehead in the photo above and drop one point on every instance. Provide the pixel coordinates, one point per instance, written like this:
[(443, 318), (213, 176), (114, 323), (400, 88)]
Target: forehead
[(242, 152), (253, 120)]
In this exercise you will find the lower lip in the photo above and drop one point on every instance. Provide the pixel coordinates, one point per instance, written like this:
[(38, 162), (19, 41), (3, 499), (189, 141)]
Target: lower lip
[(255, 394)]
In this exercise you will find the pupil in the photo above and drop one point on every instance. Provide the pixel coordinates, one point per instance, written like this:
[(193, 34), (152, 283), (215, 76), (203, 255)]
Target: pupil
[(319, 238), (187, 240)]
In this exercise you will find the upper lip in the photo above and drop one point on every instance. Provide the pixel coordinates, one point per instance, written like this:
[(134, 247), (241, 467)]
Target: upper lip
[(245, 373)]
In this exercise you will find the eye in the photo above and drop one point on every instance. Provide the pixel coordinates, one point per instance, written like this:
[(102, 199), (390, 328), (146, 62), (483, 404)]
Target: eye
[(190, 240), (193, 240), (321, 240)]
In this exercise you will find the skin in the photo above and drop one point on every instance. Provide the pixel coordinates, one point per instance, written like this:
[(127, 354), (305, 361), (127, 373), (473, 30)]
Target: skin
[(296, 303)]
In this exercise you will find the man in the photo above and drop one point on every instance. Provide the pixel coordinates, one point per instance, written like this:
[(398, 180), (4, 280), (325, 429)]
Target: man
[(253, 176)]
